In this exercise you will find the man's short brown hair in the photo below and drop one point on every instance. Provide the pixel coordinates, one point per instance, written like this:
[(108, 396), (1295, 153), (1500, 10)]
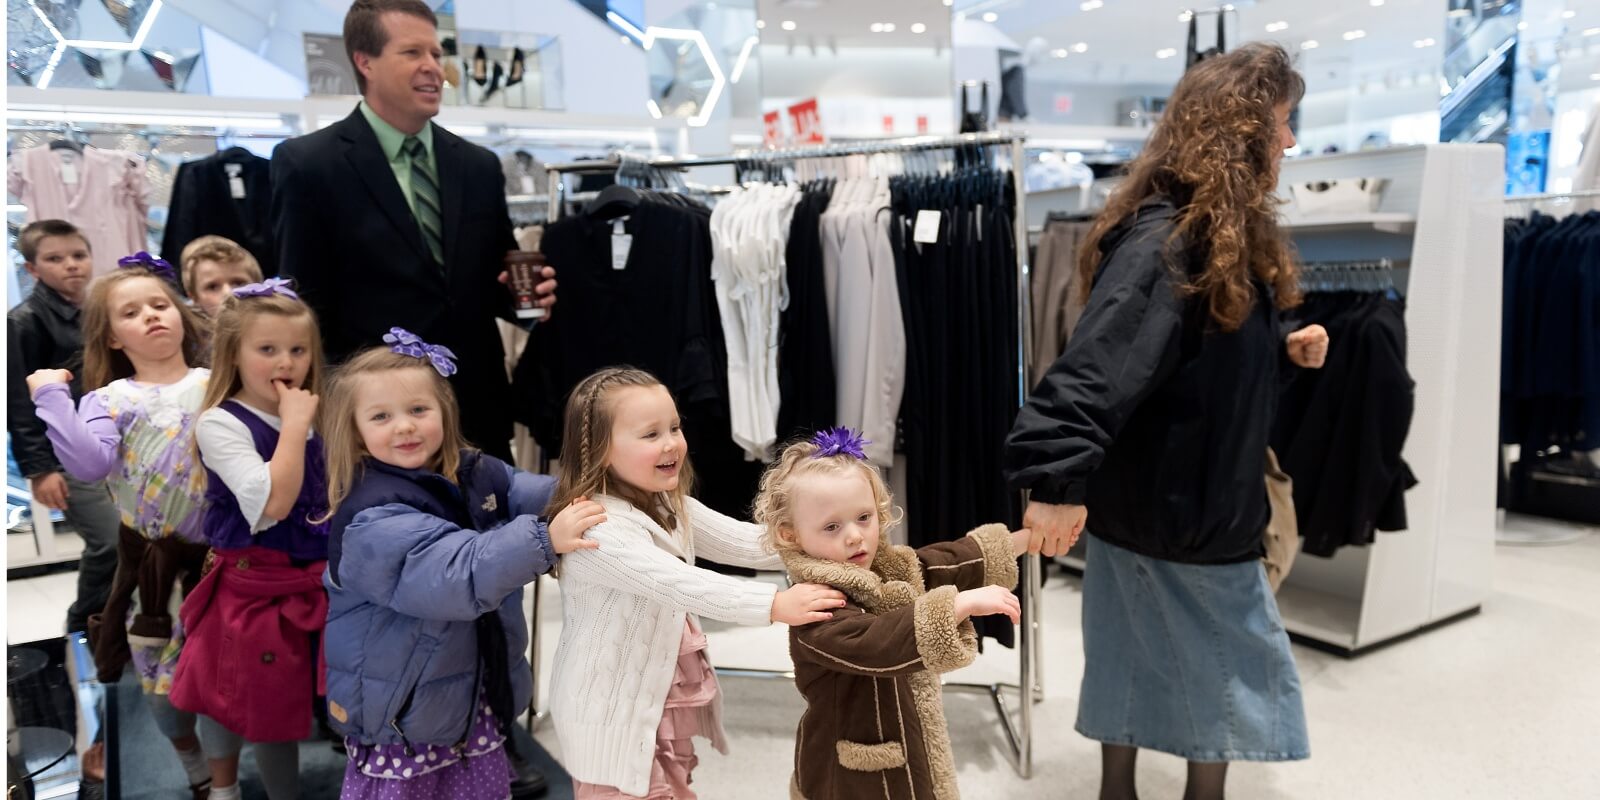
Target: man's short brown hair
[(219, 249), (364, 31), (35, 232)]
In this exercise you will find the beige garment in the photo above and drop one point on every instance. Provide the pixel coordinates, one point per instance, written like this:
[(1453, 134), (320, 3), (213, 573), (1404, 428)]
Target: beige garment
[(1283, 530), (1057, 299)]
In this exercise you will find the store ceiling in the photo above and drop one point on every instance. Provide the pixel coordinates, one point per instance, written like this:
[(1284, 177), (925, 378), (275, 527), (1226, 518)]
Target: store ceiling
[(856, 23)]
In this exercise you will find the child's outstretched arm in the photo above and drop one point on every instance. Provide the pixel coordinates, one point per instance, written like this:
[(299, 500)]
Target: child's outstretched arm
[(628, 561), (86, 439), (430, 568), (926, 635), (726, 540), (985, 557), (530, 495)]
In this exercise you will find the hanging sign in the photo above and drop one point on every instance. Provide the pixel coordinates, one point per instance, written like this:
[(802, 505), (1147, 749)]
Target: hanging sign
[(888, 124), (922, 124), (807, 122), (772, 128)]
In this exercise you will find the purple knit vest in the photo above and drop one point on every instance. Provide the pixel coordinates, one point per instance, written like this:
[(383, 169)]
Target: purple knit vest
[(225, 525)]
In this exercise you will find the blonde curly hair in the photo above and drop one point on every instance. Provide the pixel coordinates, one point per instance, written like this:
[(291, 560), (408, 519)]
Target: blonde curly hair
[(774, 506)]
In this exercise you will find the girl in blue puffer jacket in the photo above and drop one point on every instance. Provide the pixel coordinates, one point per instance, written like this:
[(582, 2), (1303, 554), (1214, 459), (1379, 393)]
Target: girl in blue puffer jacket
[(430, 544)]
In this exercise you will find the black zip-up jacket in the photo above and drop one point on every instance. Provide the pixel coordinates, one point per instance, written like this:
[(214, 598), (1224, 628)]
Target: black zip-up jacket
[(1153, 418), (41, 333)]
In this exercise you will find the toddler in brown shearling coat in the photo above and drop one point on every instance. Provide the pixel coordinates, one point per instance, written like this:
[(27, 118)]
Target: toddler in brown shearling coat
[(874, 723)]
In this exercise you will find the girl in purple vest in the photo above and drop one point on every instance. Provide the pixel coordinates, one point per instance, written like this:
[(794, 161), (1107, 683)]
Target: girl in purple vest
[(249, 669), (430, 544)]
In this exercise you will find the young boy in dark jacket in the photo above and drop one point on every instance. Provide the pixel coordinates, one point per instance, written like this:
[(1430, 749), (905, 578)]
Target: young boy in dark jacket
[(43, 333)]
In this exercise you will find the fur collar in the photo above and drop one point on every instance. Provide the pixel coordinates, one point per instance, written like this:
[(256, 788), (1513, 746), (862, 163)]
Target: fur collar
[(894, 581)]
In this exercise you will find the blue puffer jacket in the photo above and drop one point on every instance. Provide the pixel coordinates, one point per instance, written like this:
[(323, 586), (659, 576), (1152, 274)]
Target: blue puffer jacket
[(412, 562)]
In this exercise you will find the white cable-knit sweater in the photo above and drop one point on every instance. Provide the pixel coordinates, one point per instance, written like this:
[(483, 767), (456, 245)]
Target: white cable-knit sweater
[(623, 608)]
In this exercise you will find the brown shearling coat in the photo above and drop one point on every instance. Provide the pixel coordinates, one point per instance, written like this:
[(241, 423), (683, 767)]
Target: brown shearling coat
[(874, 723)]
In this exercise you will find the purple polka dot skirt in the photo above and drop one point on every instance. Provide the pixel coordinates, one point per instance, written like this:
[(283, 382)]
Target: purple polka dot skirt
[(479, 770)]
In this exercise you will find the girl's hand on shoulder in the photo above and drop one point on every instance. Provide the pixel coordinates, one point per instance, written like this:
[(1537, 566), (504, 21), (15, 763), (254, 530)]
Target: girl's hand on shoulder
[(295, 406), (569, 526), (44, 377), (988, 600), (805, 603)]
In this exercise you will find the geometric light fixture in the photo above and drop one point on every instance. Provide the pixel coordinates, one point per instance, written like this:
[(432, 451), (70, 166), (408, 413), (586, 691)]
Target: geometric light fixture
[(718, 82), (62, 43)]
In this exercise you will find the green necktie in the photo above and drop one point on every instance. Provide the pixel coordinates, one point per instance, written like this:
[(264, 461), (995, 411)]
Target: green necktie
[(426, 193)]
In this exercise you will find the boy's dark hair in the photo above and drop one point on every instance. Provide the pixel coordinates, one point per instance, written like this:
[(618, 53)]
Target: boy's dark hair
[(35, 232), (364, 31)]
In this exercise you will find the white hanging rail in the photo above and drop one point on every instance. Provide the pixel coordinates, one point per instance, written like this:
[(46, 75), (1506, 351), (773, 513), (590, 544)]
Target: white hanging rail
[(1019, 727)]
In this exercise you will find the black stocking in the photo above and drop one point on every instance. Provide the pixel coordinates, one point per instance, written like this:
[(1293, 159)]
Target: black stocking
[(1205, 781), (1116, 772)]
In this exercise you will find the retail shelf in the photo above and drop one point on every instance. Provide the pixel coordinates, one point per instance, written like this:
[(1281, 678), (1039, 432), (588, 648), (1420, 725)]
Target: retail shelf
[(1321, 616), (1383, 222)]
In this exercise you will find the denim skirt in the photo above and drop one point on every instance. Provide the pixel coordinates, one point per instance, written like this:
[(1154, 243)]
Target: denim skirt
[(1187, 659)]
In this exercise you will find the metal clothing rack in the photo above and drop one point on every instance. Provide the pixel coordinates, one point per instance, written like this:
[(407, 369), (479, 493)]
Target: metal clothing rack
[(1520, 205), (1018, 727)]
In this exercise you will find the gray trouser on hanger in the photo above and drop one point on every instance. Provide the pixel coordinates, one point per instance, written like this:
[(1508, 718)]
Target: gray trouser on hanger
[(94, 517)]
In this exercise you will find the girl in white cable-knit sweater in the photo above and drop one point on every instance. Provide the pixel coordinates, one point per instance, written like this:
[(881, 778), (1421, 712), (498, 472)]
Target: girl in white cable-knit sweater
[(632, 683)]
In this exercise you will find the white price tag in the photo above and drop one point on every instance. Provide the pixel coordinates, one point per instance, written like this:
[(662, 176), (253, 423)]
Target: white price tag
[(236, 187), (69, 173), (527, 184), (621, 245), (927, 230)]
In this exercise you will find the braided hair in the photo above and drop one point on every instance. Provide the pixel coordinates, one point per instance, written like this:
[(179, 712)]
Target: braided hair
[(584, 471)]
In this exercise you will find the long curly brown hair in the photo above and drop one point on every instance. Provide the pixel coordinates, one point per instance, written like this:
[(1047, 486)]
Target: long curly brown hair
[(1215, 155)]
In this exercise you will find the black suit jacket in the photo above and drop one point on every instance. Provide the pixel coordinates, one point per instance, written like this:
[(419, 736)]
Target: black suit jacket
[(202, 204), (346, 235), (42, 332)]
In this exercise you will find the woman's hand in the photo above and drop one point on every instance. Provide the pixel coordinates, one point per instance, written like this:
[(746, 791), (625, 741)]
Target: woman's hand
[(805, 603), (1055, 528), (988, 600), (569, 526), (1308, 347)]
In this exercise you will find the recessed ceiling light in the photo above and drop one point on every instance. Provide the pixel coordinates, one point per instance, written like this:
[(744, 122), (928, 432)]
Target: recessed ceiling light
[(1166, 52), (1274, 27), (1185, 16), (1522, 26), (949, 3), (1421, 43), (1080, 47), (917, 27), (888, 27), (1591, 31), (1090, 5), (990, 16), (1568, 14), (1309, 44), (1595, 77), (1376, 3), (1059, 52), (1351, 36), (876, 27), (788, 25), (761, 23)]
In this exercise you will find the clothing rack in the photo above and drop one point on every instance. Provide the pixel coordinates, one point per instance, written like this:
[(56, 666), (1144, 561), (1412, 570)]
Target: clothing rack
[(1520, 205), (1018, 728), (1370, 275)]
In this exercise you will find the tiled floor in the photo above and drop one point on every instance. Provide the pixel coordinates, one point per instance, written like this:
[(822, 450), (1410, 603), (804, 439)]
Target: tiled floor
[(1502, 705)]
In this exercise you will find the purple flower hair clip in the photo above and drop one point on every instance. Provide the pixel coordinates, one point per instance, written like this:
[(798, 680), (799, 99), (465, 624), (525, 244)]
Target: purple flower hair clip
[(407, 343), (144, 260), (840, 442), (268, 288)]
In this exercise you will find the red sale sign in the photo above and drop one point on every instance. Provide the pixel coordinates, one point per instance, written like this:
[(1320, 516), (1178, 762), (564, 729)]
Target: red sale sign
[(922, 124), (772, 123), (807, 122), (888, 124)]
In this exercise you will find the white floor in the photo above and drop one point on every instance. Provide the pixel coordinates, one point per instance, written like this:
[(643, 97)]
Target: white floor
[(1502, 705)]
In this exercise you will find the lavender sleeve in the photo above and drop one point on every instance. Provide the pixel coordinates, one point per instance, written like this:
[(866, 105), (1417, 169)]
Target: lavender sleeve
[(85, 440)]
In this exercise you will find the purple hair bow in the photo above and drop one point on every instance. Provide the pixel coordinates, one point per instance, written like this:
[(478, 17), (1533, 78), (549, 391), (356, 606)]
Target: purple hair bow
[(407, 343), (267, 288), (144, 260), (840, 442)]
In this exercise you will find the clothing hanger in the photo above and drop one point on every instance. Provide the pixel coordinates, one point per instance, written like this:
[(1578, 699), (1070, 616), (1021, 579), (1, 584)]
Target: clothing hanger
[(66, 144)]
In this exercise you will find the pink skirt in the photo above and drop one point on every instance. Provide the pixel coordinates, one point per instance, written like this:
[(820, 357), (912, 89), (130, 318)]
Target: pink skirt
[(694, 686)]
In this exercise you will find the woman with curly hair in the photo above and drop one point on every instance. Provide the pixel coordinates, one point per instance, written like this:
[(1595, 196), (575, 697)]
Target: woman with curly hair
[(1152, 427)]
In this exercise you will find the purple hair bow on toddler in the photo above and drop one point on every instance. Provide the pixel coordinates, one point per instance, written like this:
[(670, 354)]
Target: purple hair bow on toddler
[(407, 343), (144, 260), (840, 442), (267, 288)]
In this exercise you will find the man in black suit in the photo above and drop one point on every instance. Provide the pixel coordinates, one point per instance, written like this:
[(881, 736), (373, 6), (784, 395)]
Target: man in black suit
[(386, 219)]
